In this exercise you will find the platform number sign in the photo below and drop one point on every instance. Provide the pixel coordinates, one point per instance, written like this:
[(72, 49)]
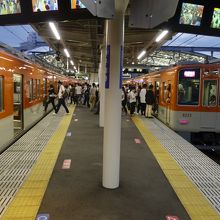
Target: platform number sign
[(107, 75), (121, 67)]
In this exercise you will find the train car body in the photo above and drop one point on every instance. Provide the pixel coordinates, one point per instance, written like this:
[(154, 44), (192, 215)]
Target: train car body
[(188, 98), (23, 89)]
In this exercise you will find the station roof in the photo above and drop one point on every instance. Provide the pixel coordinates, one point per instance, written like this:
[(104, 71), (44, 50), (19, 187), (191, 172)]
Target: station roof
[(84, 37)]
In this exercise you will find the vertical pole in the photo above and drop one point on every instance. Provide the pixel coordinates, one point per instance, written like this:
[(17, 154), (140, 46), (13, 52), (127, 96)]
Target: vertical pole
[(112, 128), (102, 85)]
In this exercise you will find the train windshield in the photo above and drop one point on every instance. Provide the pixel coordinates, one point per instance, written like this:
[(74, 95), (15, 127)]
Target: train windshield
[(188, 87)]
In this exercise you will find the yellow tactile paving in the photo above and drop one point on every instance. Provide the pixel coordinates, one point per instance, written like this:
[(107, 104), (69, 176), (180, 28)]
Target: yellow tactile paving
[(197, 206), (27, 201)]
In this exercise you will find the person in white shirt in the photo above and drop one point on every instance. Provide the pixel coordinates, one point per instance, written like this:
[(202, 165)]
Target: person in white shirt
[(143, 99), (78, 92), (61, 98), (132, 100)]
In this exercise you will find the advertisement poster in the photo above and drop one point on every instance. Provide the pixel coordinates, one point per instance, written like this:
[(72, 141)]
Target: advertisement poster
[(10, 7), (44, 5), (76, 4)]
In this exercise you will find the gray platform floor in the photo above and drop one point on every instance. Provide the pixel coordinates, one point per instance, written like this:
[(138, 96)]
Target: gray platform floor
[(77, 193)]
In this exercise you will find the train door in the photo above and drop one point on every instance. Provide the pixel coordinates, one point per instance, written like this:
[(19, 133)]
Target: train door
[(168, 99), (18, 102), (209, 102), (157, 95)]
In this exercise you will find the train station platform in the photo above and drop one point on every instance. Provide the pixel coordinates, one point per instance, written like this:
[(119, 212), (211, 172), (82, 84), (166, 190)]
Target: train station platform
[(55, 172)]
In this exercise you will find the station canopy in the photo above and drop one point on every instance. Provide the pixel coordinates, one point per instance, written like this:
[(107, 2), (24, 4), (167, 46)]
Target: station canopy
[(182, 48)]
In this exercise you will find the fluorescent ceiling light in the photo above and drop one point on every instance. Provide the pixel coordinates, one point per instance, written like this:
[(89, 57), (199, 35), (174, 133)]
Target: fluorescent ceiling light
[(141, 54), (54, 29), (66, 52), (72, 62), (162, 35)]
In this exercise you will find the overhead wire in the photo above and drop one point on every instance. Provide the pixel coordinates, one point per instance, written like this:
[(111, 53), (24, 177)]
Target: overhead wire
[(180, 34)]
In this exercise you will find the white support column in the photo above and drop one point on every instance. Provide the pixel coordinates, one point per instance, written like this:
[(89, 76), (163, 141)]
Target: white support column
[(112, 128), (102, 69)]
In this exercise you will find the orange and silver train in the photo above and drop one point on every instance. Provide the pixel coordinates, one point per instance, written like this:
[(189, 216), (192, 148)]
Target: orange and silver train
[(23, 89), (188, 99)]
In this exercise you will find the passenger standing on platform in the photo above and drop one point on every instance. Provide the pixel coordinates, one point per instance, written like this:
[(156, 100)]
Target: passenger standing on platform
[(78, 93), (52, 96), (87, 94), (124, 100), (150, 101), (92, 100), (132, 99), (143, 99), (138, 99), (72, 94), (61, 98)]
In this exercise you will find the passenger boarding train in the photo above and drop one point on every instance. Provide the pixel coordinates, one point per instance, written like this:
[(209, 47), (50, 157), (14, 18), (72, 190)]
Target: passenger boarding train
[(188, 99), (23, 88)]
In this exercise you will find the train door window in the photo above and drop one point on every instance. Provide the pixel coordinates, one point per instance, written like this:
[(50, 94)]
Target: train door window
[(157, 90), (210, 93), (30, 90), (34, 89), (188, 87), (38, 88), (164, 91), (44, 87), (1, 94)]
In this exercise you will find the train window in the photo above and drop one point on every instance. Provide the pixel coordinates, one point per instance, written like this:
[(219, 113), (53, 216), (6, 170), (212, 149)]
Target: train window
[(31, 90), (164, 91), (34, 89), (44, 87), (1, 94), (210, 93), (38, 88), (213, 72), (188, 87)]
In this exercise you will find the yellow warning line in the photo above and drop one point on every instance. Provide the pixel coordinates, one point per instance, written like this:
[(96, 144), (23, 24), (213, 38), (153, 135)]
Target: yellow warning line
[(197, 206), (27, 201)]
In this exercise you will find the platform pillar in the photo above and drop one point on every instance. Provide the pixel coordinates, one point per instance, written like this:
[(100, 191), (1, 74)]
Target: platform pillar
[(102, 69), (112, 128)]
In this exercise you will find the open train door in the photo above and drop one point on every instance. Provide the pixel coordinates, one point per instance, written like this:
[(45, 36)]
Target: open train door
[(209, 102), (18, 102)]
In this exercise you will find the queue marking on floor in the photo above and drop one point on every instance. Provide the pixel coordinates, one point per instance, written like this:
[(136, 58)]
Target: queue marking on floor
[(27, 200), (195, 203)]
